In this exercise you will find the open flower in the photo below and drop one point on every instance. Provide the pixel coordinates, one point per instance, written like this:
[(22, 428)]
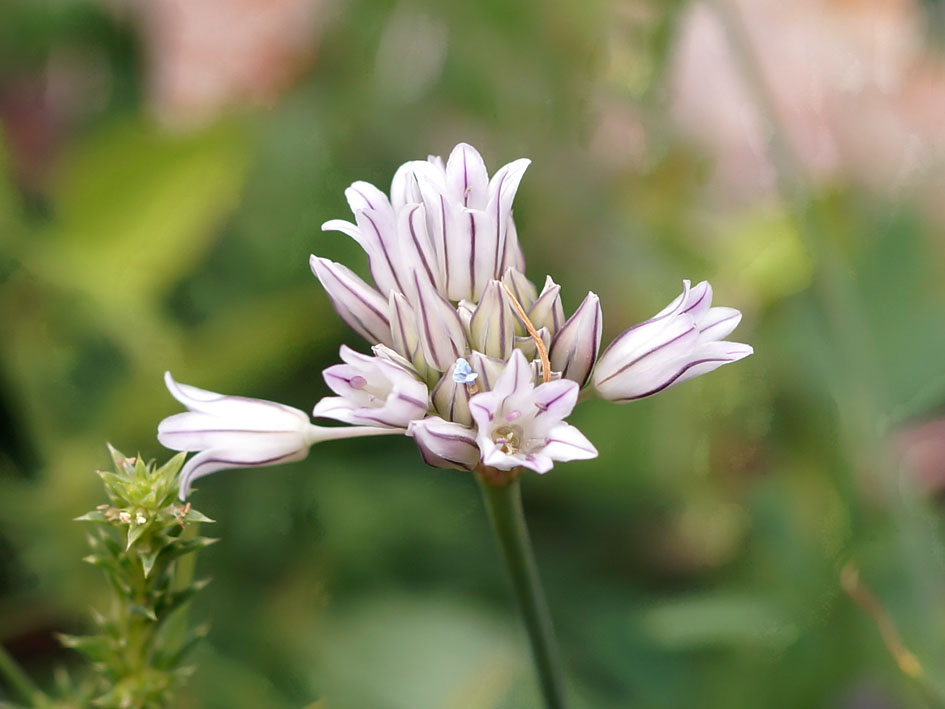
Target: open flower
[(382, 390), (238, 432), (520, 425), (680, 342)]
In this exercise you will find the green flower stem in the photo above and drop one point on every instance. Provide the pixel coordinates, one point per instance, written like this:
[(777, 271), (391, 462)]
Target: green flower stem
[(504, 505), (18, 680)]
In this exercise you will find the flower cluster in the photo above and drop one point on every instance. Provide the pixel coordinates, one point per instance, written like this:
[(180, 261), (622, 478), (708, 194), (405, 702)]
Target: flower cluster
[(468, 358)]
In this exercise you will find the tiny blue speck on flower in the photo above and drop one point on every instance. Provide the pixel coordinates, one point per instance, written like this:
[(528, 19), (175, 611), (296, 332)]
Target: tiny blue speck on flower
[(462, 372)]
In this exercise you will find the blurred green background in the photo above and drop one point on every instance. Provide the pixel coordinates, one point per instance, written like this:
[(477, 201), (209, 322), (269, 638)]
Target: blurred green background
[(164, 171)]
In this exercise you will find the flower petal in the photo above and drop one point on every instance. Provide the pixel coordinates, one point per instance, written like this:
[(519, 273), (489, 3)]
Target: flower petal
[(467, 181), (718, 323), (359, 305), (502, 190), (522, 288), (555, 400), (442, 337), (451, 398), (547, 310), (565, 442), (444, 444), (491, 327), (213, 460)]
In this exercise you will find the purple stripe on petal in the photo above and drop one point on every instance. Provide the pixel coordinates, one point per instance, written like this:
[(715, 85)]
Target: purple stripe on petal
[(499, 236), (472, 254), (453, 437), (543, 406), (445, 244), (380, 241), (465, 180), (648, 353), (363, 196), (483, 409), (249, 431), (668, 383), (353, 292), (418, 246), (705, 292), (570, 444), (410, 400)]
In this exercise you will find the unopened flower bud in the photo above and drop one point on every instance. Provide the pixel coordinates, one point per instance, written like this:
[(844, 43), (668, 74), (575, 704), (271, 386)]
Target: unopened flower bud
[(574, 349), (547, 311), (680, 342), (492, 325)]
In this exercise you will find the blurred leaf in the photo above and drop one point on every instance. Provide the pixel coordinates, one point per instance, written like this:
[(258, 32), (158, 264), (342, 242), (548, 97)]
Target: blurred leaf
[(136, 208), (718, 619), (763, 254), (433, 653)]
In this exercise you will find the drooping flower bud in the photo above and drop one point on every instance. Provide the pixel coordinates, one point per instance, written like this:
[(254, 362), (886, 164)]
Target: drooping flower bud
[(238, 432)]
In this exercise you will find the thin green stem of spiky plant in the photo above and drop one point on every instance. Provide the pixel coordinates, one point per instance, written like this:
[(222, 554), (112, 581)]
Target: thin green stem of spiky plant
[(504, 505), (18, 680)]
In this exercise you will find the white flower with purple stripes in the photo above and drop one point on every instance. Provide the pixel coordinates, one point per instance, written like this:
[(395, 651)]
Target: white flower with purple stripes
[(382, 390), (521, 425)]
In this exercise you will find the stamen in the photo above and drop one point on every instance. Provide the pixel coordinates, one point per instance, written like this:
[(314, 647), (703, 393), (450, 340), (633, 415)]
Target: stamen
[(357, 382), (509, 439)]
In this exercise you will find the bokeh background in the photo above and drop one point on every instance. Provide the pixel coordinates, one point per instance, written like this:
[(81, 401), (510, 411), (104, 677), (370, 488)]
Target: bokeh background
[(165, 167)]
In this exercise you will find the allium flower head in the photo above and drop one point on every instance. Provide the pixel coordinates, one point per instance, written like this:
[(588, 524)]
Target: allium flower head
[(469, 358)]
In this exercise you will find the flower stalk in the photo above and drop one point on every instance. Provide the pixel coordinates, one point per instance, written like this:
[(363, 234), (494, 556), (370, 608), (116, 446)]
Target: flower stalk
[(503, 500)]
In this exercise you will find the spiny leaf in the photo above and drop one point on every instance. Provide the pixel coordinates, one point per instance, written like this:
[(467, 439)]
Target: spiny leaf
[(182, 548), (197, 516), (95, 647), (93, 516), (138, 609), (135, 532)]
